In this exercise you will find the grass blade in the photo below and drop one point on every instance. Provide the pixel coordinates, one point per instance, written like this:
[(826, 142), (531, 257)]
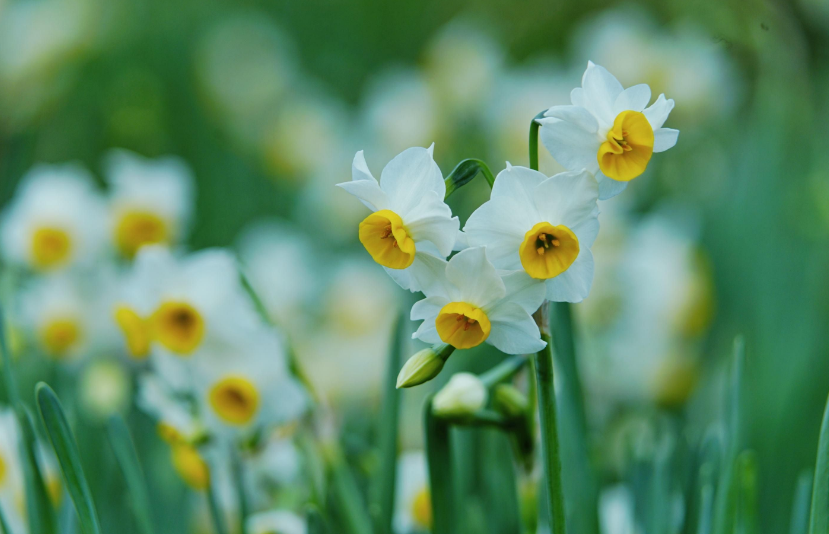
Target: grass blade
[(383, 489), (819, 517), (747, 509), (728, 490), (800, 504), (64, 445), (9, 383), (125, 454), (439, 460), (241, 494), (42, 517), (347, 494), (706, 499)]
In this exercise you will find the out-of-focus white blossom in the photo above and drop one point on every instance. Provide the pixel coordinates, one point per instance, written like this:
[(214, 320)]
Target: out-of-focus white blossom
[(413, 503)]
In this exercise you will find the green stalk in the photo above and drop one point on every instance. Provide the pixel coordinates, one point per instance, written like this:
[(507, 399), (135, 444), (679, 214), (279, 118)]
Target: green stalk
[(66, 450), (42, 518), (239, 485), (747, 510), (503, 371), (819, 517), (383, 488), (439, 458), (13, 396), (728, 490), (534, 140), (127, 457), (706, 499), (800, 505), (347, 494), (215, 511), (464, 172), (550, 453)]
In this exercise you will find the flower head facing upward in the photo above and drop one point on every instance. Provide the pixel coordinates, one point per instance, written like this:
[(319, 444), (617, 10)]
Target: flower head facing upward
[(411, 227), (543, 226), (608, 130), (467, 303)]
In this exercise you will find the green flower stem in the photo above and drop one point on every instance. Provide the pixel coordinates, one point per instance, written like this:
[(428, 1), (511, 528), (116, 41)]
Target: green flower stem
[(42, 519), (12, 395), (503, 371), (801, 504), (439, 458), (534, 140), (464, 172), (550, 453), (241, 495), (349, 502), (215, 512), (819, 517), (124, 449)]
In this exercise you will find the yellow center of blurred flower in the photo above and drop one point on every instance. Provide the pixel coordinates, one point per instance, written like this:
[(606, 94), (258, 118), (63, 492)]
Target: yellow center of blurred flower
[(422, 509), (51, 247), (136, 331), (628, 148), (138, 228), (60, 335), (547, 250), (235, 400), (462, 325), (190, 466), (675, 380), (178, 326), (169, 434), (387, 240), (54, 487), (3, 470)]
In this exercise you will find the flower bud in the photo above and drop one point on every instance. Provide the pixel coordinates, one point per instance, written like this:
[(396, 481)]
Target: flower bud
[(509, 400), (464, 395), (423, 366)]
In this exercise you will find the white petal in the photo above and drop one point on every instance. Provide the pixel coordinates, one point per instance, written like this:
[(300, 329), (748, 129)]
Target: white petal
[(461, 242), (368, 192), (500, 225), (575, 115), (425, 273), (578, 98), (427, 332), (428, 308), (517, 184), (568, 198), (475, 277), (524, 290), (587, 231), (658, 113), (571, 146), (601, 90), (608, 187), (573, 285), (664, 138), (410, 176), (513, 330), (431, 220), (633, 98)]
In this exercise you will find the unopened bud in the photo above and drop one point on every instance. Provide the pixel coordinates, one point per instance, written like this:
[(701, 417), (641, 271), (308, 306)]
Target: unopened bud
[(509, 400), (423, 366), (462, 396)]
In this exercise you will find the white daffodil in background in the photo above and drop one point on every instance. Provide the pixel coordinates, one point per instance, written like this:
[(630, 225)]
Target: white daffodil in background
[(468, 303), (413, 503), (276, 522), (411, 227), (463, 395), (608, 130), (174, 414), (104, 389), (150, 200), (12, 485), (275, 465), (543, 226), (56, 219), (179, 305), (248, 387)]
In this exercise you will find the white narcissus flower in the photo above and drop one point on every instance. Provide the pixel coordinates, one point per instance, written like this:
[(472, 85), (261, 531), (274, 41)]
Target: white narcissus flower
[(467, 303), (150, 200), (412, 228), (12, 482), (608, 130), (276, 521), (463, 395), (180, 305), (413, 503), (56, 219), (176, 422), (543, 226)]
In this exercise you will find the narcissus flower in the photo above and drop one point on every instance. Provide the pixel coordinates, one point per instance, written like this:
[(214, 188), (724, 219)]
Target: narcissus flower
[(608, 130), (462, 396), (12, 480), (276, 521), (467, 303), (543, 226), (411, 228), (413, 502), (150, 200), (182, 305), (56, 219)]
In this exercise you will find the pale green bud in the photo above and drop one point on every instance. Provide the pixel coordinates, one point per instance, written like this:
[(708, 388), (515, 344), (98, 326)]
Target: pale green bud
[(462, 396), (423, 366), (509, 400)]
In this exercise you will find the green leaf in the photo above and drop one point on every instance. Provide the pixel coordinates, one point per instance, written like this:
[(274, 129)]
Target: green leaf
[(819, 517), (800, 504), (439, 459), (728, 487), (315, 521), (706, 499), (9, 383), (383, 488), (125, 454), (746, 519), (347, 494), (64, 445), (4, 525), (42, 518), (241, 494)]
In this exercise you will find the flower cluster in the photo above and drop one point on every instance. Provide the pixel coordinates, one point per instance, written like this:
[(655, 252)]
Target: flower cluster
[(529, 243)]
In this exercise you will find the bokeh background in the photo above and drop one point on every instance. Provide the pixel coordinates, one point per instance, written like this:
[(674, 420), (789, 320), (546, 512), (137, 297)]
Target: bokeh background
[(267, 103)]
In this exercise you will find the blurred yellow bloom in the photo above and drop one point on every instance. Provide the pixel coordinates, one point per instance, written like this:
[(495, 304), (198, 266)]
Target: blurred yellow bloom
[(190, 466), (178, 326), (59, 335), (234, 399)]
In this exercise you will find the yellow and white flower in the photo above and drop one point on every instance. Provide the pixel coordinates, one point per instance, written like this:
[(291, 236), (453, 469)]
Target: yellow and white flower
[(180, 305), (56, 219), (413, 503), (543, 226), (468, 303), (150, 200), (12, 486), (248, 386), (608, 130), (276, 521), (411, 228)]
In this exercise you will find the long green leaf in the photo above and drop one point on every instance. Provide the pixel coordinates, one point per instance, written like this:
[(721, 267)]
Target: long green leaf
[(800, 504), (347, 494), (441, 482), (64, 445), (4, 525), (42, 518), (9, 383), (728, 488), (706, 499), (819, 517), (241, 493), (746, 519), (383, 489), (125, 454)]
